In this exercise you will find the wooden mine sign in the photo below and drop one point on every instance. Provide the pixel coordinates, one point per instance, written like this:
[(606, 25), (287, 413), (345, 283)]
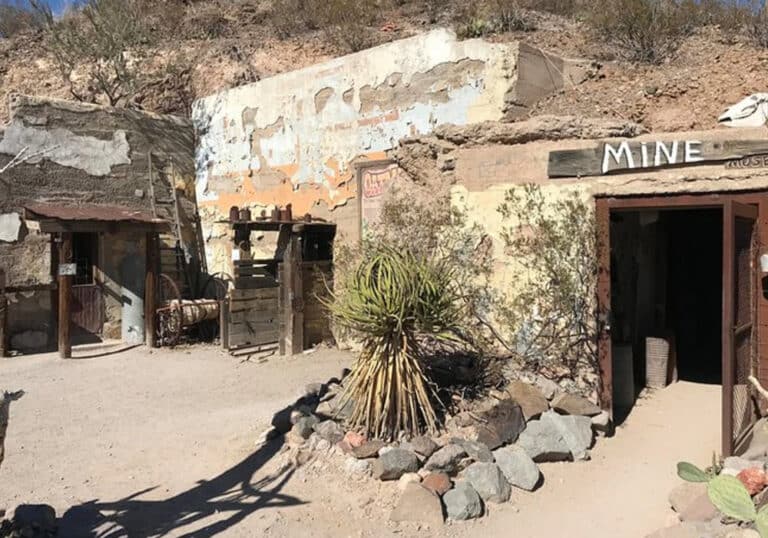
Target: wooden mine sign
[(626, 156)]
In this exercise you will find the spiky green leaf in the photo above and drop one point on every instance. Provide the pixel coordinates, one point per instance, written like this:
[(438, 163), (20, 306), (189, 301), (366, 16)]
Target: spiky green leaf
[(730, 496), (690, 473)]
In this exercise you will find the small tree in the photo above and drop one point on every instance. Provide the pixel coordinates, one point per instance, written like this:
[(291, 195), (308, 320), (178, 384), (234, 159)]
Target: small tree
[(96, 48), (552, 315)]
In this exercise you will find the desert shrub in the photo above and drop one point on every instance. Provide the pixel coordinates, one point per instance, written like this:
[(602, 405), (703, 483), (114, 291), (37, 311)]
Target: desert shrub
[(509, 16), (552, 315), (393, 299), (347, 22), (435, 8), (647, 31), (17, 17), (101, 41), (756, 24)]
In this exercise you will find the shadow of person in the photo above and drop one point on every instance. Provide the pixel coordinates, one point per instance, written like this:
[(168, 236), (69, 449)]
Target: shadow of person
[(232, 495)]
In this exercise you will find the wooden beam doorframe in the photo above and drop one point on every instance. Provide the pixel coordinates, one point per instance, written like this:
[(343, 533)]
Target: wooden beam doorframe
[(604, 206)]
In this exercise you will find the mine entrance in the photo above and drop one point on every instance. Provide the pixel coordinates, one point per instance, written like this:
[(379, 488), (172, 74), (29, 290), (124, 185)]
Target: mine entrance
[(678, 298)]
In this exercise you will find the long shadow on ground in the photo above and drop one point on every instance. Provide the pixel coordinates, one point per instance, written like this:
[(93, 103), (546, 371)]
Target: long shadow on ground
[(232, 496)]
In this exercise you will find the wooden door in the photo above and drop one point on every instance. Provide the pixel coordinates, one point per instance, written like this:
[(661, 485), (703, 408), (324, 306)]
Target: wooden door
[(87, 307), (739, 322)]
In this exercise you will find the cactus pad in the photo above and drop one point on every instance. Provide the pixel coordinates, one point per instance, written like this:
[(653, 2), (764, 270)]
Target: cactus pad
[(730, 496)]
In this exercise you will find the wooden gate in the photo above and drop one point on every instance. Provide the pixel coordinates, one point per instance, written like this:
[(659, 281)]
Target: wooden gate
[(87, 310), (251, 317)]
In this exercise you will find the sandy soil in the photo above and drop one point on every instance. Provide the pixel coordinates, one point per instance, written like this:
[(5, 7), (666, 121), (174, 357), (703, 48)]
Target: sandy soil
[(163, 443)]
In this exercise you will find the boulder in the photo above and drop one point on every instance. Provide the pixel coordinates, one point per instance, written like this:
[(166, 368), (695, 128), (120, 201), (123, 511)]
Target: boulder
[(423, 445), (734, 465), (575, 430), (369, 449), (475, 450), (691, 502), (489, 482), (462, 502), (758, 445), (332, 408), (407, 478), (330, 431), (394, 464), (356, 466), (542, 441), (419, 505), (601, 423), (446, 459), (529, 398), (547, 387), (304, 427), (502, 423), (518, 467), (571, 404), (351, 441), (437, 483)]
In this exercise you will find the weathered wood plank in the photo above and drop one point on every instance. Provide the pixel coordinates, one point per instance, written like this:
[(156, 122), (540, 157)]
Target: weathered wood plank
[(257, 270), (255, 282), (625, 156), (255, 316), (262, 293), (259, 305)]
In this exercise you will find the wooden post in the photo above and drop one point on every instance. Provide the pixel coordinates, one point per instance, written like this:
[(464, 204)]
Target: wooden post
[(150, 288), (3, 317), (224, 306), (292, 297), (65, 295)]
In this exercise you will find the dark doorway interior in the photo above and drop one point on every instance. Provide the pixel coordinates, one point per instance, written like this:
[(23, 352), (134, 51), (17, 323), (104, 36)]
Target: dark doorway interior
[(87, 307), (666, 282)]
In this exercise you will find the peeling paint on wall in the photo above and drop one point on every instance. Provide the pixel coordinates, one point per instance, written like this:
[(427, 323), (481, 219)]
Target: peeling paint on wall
[(295, 138), (87, 153), (10, 227)]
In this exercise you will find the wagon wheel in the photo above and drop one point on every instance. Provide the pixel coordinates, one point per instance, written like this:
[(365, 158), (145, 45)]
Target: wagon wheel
[(169, 320), (169, 326), (216, 287), (168, 290)]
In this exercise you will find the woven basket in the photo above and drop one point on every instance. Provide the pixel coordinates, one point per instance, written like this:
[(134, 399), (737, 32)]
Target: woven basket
[(656, 359)]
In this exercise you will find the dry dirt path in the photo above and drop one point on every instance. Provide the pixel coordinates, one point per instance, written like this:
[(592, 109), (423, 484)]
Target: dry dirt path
[(164, 443)]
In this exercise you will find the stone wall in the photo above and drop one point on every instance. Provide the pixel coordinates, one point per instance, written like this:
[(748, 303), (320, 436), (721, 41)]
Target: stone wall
[(85, 154), (296, 137)]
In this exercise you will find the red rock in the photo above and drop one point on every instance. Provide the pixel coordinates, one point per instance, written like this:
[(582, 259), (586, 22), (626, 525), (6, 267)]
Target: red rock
[(354, 439), (437, 483), (753, 479)]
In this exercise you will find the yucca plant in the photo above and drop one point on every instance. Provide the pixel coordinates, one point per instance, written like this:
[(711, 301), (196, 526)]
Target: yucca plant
[(391, 299)]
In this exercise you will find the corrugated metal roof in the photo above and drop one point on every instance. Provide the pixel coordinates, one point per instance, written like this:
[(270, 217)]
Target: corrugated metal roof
[(104, 213)]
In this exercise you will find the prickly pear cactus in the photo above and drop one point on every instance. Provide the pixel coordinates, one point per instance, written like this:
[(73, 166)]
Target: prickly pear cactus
[(690, 473), (730, 496), (762, 522)]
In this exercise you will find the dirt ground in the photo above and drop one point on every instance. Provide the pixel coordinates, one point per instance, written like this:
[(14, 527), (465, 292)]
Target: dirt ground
[(164, 444)]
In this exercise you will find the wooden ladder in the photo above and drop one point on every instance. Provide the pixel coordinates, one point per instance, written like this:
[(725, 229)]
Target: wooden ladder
[(173, 257)]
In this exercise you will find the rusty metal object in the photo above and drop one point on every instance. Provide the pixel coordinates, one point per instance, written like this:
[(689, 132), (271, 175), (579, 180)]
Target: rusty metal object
[(245, 214), (234, 214)]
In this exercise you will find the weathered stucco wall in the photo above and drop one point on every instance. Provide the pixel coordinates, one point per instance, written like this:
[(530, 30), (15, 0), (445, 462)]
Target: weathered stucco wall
[(480, 163), (294, 138), (84, 154)]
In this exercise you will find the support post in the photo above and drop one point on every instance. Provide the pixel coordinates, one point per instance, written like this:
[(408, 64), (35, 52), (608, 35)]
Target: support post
[(65, 295), (292, 298), (150, 288), (3, 317)]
